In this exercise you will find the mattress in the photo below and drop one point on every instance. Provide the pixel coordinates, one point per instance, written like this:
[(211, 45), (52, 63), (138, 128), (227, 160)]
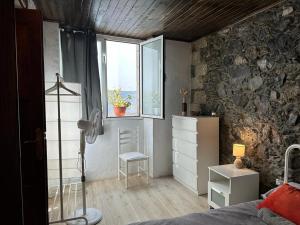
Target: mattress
[(244, 213)]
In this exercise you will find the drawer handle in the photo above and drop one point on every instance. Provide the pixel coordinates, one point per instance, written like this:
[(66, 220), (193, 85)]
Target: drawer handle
[(219, 192)]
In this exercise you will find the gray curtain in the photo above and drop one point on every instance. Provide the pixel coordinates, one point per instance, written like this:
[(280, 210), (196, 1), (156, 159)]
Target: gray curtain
[(80, 65)]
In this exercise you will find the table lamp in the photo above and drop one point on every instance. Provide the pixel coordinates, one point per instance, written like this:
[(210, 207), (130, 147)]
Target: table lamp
[(238, 152)]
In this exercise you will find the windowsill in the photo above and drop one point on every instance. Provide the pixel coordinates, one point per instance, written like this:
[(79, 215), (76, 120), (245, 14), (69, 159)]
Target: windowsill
[(123, 118)]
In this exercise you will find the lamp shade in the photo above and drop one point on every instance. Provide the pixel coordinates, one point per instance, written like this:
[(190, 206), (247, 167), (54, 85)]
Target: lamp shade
[(238, 150)]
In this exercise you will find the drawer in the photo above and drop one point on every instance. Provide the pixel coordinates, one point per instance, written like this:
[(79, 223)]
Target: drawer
[(185, 135), (187, 148), (184, 124), (216, 197), (185, 162), (185, 176)]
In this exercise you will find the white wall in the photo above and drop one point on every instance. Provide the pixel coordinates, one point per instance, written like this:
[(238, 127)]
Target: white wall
[(177, 71), (101, 157), (51, 51)]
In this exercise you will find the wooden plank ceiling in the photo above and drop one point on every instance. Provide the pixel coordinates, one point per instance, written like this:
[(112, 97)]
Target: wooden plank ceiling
[(185, 20)]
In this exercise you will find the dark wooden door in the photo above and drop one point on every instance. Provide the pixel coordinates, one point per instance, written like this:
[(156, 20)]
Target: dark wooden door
[(29, 38), (11, 210)]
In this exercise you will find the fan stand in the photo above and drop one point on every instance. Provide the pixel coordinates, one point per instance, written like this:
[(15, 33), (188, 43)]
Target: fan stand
[(92, 215)]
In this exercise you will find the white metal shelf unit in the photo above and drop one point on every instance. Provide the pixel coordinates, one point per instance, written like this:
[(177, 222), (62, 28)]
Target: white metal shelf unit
[(70, 114)]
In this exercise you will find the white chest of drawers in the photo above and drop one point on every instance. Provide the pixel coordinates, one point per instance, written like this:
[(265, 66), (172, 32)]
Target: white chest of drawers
[(195, 144)]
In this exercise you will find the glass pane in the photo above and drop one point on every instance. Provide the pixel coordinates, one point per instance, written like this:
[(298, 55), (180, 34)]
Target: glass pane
[(122, 76), (152, 78), (217, 198)]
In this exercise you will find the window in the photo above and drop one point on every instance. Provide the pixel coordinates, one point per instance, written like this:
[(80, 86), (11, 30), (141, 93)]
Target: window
[(120, 84), (128, 70), (152, 78)]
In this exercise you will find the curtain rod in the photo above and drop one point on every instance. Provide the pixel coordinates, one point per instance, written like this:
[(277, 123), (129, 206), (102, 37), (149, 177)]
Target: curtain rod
[(73, 29)]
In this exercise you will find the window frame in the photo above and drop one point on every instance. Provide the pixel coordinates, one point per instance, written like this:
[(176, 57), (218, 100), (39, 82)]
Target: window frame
[(162, 97), (103, 74)]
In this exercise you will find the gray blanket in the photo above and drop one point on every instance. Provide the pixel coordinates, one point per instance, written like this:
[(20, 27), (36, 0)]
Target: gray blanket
[(272, 218), (245, 213)]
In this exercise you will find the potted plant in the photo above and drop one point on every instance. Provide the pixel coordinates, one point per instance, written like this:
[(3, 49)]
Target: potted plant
[(119, 103)]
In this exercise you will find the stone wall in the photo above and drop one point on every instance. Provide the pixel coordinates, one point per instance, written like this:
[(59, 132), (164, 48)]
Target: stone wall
[(249, 74)]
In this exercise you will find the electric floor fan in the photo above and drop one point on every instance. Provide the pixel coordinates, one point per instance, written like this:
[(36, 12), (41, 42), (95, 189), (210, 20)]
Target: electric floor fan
[(89, 130)]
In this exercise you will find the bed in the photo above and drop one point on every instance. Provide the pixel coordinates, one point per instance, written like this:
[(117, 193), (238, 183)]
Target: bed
[(244, 213)]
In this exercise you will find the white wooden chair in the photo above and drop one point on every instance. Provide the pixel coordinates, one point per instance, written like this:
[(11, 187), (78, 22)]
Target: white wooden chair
[(126, 137)]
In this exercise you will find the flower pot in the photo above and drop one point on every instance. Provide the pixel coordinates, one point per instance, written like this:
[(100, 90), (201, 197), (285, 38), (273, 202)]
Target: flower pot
[(119, 111)]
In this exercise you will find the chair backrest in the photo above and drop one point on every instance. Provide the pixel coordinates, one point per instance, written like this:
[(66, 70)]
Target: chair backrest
[(128, 137)]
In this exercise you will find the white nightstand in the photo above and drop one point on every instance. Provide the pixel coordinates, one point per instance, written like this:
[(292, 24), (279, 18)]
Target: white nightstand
[(228, 185)]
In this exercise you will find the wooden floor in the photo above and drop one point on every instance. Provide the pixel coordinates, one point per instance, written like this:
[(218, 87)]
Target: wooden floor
[(162, 198)]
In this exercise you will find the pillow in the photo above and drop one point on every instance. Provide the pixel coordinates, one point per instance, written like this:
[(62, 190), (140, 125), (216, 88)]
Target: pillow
[(265, 195), (272, 218), (285, 201), (293, 184)]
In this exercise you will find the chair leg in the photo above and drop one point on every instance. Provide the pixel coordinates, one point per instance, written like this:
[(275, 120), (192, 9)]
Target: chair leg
[(126, 172), (138, 168), (148, 171)]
